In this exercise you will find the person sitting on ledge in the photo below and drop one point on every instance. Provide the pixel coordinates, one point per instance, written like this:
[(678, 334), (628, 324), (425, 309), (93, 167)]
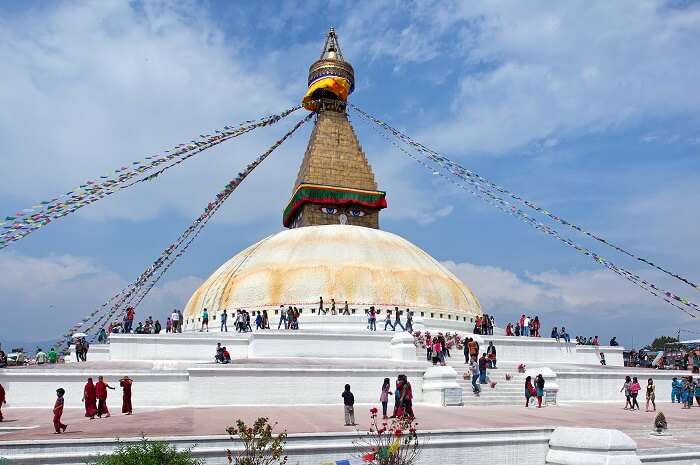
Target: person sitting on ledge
[(613, 342), (219, 356), (226, 356)]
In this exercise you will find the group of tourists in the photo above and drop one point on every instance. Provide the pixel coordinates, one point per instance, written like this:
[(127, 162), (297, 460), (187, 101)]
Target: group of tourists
[(50, 357), (525, 326), (149, 327), (332, 309), (631, 388), (484, 324), (289, 318), (437, 349), (390, 321), (684, 389)]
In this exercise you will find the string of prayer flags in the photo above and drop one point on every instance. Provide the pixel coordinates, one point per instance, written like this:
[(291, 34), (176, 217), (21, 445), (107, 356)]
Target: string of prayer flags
[(459, 170), (24, 222), (134, 293), (492, 197)]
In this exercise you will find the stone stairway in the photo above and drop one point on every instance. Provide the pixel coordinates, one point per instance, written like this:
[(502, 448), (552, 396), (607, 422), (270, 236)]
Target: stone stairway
[(506, 392)]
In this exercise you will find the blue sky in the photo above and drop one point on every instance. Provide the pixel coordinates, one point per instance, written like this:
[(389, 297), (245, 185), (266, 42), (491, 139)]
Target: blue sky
[(590, 109)]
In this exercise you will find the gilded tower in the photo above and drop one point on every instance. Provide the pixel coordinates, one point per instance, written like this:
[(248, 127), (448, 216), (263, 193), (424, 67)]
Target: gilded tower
[(335, 184)]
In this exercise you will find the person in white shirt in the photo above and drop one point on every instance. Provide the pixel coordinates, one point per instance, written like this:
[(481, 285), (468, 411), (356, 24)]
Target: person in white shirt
[(41, 357), (175, 317), (526, 327)]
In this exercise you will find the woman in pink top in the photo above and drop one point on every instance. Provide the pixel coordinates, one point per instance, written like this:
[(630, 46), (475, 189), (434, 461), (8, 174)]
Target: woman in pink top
[(634, 390), (384, 396)]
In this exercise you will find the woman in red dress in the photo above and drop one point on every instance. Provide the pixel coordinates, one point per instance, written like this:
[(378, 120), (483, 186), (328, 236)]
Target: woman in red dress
[(126, 383), (90, 399)]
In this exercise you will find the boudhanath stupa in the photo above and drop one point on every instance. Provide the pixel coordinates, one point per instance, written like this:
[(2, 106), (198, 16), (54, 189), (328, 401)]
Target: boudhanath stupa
[(332, 247)]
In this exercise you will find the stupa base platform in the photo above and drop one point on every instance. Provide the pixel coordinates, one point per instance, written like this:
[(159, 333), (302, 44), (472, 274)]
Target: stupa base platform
[(474, 435)]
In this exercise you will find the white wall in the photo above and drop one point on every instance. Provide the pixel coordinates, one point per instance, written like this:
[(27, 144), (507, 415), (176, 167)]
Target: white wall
[(546, 351), (37, 388), (604, 385), (259, 386), (516, 446), (320, 345), (179, 347)]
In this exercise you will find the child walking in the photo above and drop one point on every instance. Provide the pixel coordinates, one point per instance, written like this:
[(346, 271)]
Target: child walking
[(58, 412), (384, 397), (349, 402)]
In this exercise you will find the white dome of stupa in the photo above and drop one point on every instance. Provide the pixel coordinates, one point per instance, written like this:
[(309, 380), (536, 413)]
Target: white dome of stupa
[(364, 266)]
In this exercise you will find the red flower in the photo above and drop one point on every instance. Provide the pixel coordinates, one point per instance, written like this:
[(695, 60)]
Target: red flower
[(398, 432), (373, 410), (368, 457), (412, 430)]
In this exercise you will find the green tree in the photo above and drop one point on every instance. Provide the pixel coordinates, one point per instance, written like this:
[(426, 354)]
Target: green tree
[(148, 452), (660, 342)]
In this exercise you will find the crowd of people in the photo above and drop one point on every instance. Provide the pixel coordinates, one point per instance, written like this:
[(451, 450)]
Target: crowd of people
[(94, 399), (525, 326), (484, 324)]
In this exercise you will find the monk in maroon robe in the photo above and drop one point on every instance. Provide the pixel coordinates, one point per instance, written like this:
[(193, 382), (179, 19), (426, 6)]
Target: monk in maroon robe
[(126, 383), (101, 393), (58, 411), (90, 399), (2, 399)]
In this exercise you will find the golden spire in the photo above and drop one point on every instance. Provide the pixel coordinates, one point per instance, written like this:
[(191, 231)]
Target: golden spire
[(330, 77), (335, 184)]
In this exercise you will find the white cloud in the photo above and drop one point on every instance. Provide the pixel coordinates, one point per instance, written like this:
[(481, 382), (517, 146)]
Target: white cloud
[(595, 293), (93, 85), (43, 297), (526, 71)]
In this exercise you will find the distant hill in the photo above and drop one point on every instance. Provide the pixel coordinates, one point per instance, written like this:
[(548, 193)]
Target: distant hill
[(29, 346)]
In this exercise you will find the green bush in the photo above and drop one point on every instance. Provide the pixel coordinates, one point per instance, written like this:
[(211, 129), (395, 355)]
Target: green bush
[(148, 453)]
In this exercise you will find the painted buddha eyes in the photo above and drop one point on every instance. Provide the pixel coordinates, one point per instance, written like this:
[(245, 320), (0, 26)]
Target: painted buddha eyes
[(354, 212)]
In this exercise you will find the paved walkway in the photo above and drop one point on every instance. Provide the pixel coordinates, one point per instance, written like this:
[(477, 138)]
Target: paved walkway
[(202, 421)]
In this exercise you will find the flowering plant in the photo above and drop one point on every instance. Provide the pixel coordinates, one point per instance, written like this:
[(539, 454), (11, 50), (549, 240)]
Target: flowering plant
[(393, 442), (260, 446)]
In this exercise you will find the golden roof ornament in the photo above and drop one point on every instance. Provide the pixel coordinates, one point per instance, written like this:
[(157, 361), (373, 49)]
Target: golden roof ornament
[(331, 78)]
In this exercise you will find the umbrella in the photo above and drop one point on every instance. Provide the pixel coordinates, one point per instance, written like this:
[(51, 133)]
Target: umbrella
[(79, 335)]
